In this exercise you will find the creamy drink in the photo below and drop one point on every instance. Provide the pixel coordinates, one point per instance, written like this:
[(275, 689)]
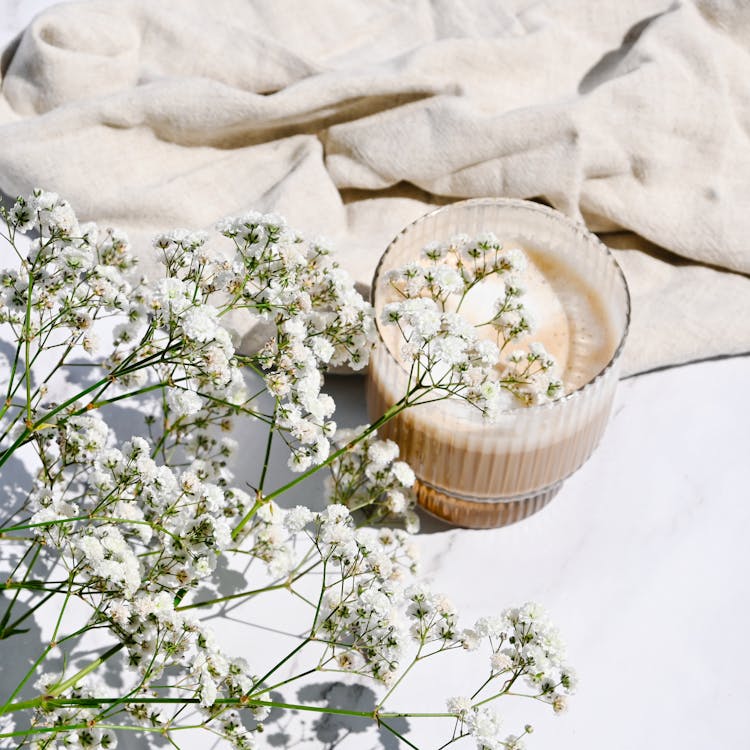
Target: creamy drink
[(481, 474)]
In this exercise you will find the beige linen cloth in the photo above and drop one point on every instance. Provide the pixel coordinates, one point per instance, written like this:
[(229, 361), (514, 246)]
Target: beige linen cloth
[(353, 117)]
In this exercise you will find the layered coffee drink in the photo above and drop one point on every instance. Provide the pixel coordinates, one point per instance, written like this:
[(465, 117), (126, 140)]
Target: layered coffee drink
[(481, 474)]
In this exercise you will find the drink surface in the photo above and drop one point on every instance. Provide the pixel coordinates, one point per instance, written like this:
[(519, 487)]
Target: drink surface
[(570, 318)]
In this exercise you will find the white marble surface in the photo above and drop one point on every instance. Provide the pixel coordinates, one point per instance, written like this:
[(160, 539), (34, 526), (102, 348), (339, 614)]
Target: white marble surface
[(642, 561)]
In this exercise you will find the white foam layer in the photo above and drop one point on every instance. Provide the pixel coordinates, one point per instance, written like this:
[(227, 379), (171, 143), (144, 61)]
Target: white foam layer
[(570, 318)]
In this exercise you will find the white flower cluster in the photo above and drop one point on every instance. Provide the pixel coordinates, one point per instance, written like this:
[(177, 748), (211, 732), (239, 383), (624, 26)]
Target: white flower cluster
[(72, 275), (170, 336), (181, 514), (158, 636), (365, 613), (177, 313), (453, 267), (532, 645), (272, 537), (368, 478), (524, 646), (320, 320), (446, 355), (172, 330), (511, 318), (433, 616), (444, 350), (484, 725), (134, 529), (363, 608), (89, 736), (145, 532), (529, 375)]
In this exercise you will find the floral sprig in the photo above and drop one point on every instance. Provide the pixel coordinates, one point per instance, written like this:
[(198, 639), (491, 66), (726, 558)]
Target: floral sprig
[(445, 352), (368, 478), (134, 530), (524, 648), (319, 318)]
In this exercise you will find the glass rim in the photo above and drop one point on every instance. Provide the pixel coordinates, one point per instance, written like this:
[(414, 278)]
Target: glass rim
[(556, 216)]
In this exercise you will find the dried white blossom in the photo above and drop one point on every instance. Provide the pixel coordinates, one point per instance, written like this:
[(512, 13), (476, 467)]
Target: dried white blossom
[(444, 351), (134, 530)]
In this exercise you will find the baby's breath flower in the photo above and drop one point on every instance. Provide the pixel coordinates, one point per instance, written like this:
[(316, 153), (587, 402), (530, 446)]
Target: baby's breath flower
[(484, 725), (459, 705), (183, 402), (369, 479), (444, 350), (135, 529)]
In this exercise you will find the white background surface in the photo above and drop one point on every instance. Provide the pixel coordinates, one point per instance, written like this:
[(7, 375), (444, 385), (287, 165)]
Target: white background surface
[(642, 561)]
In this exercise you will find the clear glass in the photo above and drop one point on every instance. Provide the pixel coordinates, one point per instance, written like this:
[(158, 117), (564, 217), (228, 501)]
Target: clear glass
[(477, 474)]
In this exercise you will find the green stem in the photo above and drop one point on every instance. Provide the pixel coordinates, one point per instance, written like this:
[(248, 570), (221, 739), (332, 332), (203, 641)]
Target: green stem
[(54, 702), (73, 727), (12, 377), (230, 597), (267, 456), (320, 598), (252, 592), (506, 687), (394, 732), (87, 517), (29, 567), (27, 346), (292, 653), (10, 628), (8, 706), (286, 682), (32, 427), (31, 585), (392, 412), (130, 394), (483, 686), (399, 680), (456, 738), (61, 613), (43, 655), (81, 673)]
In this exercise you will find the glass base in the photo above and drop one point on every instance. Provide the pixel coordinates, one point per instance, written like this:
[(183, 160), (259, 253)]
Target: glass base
[(481, 513)]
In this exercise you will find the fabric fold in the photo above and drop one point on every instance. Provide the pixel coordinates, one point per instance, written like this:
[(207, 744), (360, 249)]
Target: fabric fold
[(353, 118)]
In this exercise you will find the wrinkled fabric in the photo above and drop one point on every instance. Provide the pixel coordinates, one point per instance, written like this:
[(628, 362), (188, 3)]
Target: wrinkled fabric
[(354, 117)]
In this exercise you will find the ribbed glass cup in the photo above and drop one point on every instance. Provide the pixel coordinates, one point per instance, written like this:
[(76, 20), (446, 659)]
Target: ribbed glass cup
[(477, 474)]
